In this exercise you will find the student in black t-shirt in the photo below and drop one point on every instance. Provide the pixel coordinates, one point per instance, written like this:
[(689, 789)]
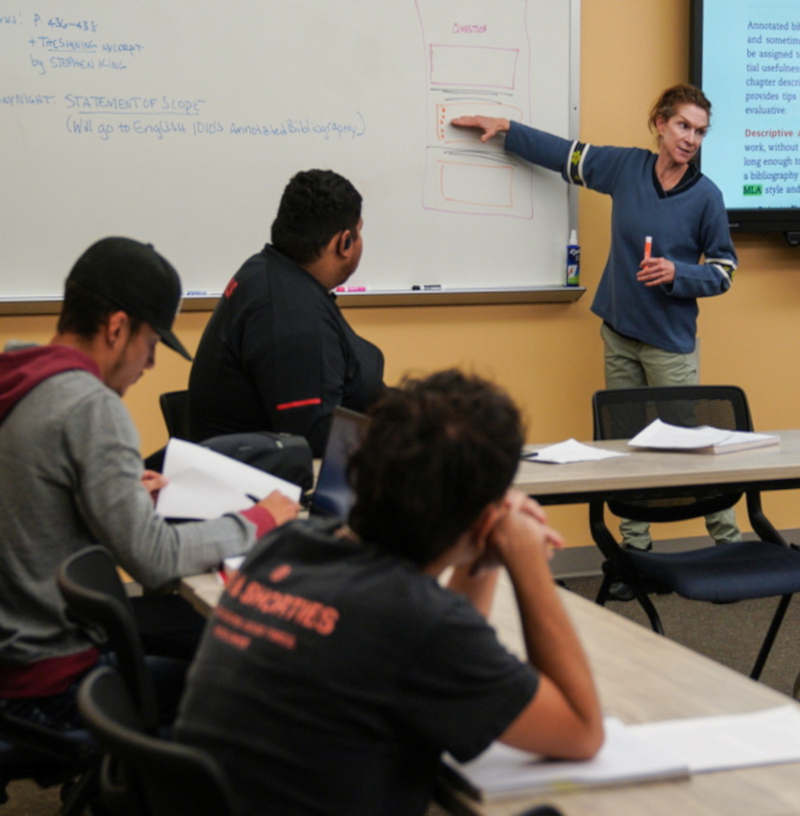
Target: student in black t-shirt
[(337, 669)]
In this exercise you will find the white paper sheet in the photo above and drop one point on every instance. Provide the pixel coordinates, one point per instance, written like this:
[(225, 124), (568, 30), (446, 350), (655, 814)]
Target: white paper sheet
[(563, 453), (204, 484), (625, 757), (646, 751), (731, 741), (663, 436)]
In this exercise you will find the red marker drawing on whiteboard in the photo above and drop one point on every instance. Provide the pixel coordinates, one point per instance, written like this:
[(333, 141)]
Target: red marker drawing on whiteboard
[(648, 247)]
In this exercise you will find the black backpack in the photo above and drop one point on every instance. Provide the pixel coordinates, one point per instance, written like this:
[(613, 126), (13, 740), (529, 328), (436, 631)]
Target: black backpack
[(281, 454)]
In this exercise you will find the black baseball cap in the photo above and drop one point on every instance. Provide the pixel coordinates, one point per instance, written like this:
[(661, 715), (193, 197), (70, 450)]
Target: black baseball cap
[(137, 280)]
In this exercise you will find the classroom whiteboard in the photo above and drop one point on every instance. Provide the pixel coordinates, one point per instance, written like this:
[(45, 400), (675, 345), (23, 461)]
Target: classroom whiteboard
[(180, 124)]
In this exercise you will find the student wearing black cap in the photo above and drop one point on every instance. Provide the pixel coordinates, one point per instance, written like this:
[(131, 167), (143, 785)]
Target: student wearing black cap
[(71, 474)]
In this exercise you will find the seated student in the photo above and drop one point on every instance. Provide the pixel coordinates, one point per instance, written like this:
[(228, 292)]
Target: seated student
[(337, 669), (71, 474), (277, 354)]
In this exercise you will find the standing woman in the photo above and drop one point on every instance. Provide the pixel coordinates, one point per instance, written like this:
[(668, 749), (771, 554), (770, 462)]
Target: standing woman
[(648, 304)]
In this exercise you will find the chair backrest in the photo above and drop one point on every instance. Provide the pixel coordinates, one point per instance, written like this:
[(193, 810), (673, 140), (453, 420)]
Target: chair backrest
[(149, 775), (175, 409), (96, 597), (622, 413)]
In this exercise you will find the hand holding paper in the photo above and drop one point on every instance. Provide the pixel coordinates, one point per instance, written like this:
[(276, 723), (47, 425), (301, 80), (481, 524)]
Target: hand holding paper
[(203, 484), (280, 507)]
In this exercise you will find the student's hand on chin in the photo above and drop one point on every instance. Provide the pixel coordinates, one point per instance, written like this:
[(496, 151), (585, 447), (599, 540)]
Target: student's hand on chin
[(488, 560), (486, 557), (516, 500)]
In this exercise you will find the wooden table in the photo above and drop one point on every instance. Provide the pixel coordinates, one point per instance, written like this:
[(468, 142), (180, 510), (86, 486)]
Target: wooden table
[(647, 474), (641, 677), (202, 591)]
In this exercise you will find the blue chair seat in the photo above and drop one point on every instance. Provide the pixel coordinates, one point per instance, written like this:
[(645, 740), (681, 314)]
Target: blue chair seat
[(724, 573)]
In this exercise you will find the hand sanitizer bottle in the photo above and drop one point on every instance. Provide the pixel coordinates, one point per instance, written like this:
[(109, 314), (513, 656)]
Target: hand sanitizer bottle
[(573, 260)]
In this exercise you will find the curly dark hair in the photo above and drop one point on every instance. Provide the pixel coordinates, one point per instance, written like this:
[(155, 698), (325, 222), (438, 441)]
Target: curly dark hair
[(436, 453), (315, 205)]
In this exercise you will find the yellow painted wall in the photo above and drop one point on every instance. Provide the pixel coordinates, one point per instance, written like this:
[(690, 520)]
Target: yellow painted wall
[(550, 356)]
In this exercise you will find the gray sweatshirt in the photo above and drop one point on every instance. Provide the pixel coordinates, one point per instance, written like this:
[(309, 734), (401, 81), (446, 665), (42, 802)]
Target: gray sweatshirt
[(70, 476)]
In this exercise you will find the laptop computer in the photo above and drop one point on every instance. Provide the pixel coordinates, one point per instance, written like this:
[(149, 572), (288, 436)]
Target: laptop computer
[(332, 495)]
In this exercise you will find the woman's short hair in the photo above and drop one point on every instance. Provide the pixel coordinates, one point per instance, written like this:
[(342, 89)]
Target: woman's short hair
[(666, 106), (437, 452)]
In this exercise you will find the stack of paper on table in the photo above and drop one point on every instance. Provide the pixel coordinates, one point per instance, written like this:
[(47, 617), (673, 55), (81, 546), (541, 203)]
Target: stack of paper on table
[(645, 752), (730, 741), (501, 772), (703, 439), (204, 484)]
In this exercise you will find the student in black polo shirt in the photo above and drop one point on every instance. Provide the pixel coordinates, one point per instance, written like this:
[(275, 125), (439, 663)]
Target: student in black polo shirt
[(277, 354)]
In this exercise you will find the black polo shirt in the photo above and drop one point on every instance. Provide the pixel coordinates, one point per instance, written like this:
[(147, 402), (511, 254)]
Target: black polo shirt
[(277, 355)]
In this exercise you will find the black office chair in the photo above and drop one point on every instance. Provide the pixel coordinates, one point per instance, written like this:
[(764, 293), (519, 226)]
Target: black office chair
[(96, 597), (175, 409), (30, 751), (143, 775), (721, 574)]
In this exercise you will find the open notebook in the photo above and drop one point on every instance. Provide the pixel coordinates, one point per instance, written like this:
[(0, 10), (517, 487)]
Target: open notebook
[(332, 494)]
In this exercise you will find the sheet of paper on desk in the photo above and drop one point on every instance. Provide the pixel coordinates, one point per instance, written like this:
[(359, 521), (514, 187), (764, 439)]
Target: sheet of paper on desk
[(563, 453), (704, 439), (203, 484), (625, 757), (731, 741)]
